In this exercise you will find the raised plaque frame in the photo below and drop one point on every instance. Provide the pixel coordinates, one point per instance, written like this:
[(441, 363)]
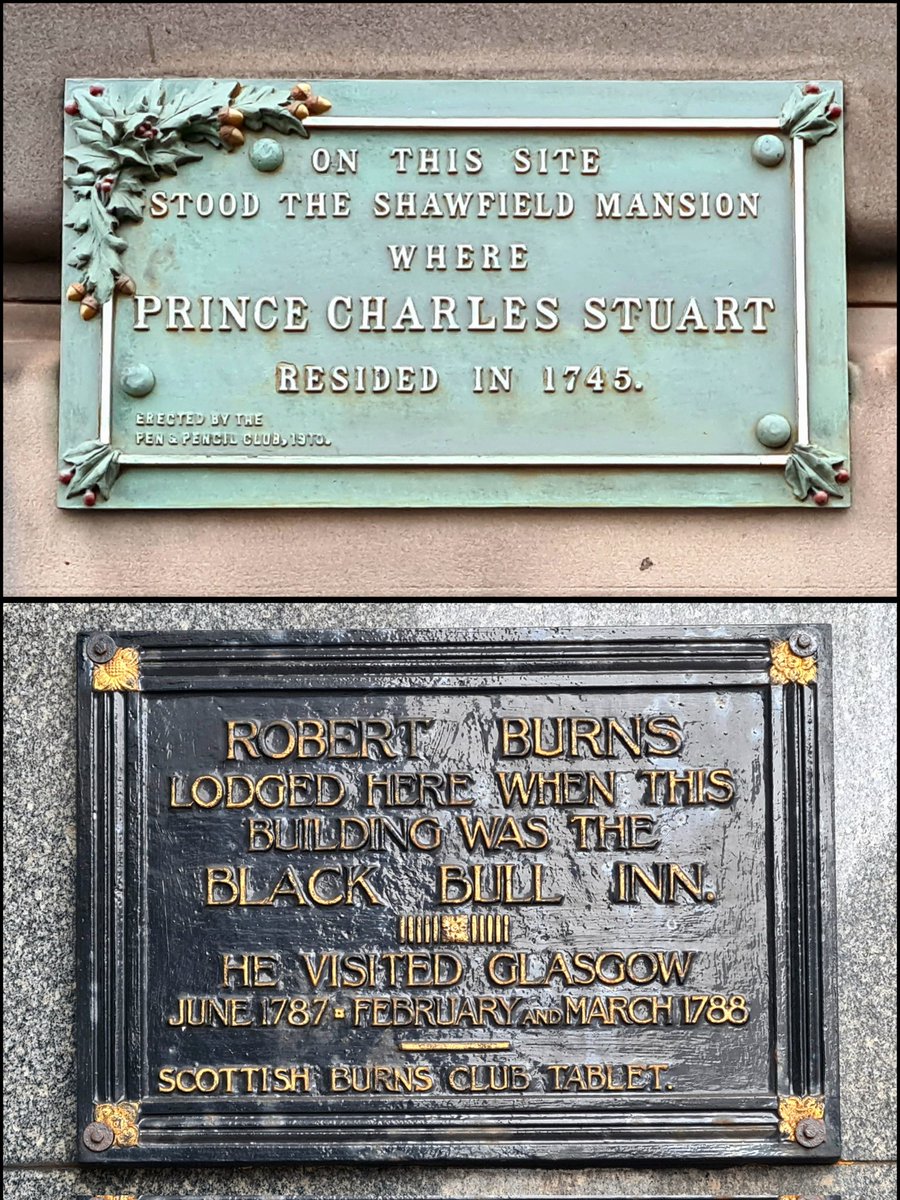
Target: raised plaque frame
[(819, 388), (791, 667)]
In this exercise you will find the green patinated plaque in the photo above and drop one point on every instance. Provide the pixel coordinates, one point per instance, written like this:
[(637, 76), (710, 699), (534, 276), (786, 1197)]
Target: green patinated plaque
[(453, 293)]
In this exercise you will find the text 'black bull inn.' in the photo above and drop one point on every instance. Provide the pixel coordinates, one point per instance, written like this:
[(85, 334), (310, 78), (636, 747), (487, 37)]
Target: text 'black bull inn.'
[(498, 895)]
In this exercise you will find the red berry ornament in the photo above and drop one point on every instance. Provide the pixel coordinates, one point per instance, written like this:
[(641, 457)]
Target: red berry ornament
[(96, 90), (72, 108), (66, 476), (812, 89), (835, 111), (90, 498), (842, 476), (820, 498)]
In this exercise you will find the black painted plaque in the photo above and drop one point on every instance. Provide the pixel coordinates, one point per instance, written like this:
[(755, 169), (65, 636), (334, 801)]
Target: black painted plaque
[(482, 895)]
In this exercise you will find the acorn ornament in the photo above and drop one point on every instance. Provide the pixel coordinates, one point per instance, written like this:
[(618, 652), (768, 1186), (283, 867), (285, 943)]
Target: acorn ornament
[(76, 291), (230, 137), (231, 116), (303, 103), (90, 306), (125, 285)]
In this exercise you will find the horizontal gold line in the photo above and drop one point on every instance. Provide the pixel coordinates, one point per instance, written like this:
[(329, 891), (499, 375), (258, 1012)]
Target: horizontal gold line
[(454, 1045)]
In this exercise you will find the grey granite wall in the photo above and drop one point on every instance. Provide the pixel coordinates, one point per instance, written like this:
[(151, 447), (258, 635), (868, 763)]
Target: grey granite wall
[(39, 838)]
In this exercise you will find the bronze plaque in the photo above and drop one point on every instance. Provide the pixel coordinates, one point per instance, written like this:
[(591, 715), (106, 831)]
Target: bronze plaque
[(484, 895)]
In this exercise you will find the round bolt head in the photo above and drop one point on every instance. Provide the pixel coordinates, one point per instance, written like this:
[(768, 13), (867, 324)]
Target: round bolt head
[(266, 155), (137, 379), (100, 649), (768, 150), (802, 643), (773, 430), (98, 1137), (810, 1132)]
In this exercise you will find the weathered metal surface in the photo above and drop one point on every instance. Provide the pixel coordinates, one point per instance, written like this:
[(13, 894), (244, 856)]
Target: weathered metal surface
[(720, 1196), (487, 895), (455, 293)]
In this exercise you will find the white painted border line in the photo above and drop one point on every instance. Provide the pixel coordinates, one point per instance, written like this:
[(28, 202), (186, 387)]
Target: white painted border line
[(107, 325), (625, 460), (800, 288), (448, 460), (389, 122)]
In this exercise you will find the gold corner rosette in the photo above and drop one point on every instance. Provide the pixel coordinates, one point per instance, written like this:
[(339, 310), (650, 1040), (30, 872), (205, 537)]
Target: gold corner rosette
[(794, 1109), (121, 1119), (788, 667), (120, 674)]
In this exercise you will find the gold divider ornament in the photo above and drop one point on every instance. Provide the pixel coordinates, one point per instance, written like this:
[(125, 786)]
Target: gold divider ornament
[(121, 1119), (473, 929), (120, 674), (788, 667)]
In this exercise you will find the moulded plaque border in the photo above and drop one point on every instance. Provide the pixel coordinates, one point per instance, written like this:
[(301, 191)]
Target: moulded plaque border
[(688, 480), (697, 1127)]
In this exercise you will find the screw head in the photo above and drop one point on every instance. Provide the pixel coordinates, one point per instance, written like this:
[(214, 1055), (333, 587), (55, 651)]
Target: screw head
[(820, 498), (100, 648), (810, 1132), (97, 1137), (266, 155), (803, 643), (773, 430), (768, 150), (137, 379)]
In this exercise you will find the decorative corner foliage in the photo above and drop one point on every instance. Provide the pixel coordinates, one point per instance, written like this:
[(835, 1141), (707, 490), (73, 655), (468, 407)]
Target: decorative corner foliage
[(810, 469), (794, 1109), (121, 674), (788, 667), (95, 467), (810, 113), (126, 142)]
